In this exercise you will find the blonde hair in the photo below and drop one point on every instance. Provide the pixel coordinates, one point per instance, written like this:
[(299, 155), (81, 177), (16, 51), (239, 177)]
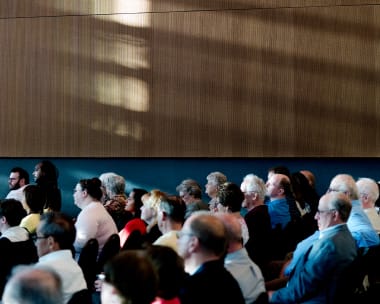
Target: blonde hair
[(152, 200)]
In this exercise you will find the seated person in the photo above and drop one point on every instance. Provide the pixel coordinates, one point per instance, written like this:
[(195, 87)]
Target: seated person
[(237, 261), (316, 274), (33, 285), (16, 247), (93, 220), (358, 222), (34, 203), (130, 277), (171, 215), (54, 240), (202, 244), (171, 273)]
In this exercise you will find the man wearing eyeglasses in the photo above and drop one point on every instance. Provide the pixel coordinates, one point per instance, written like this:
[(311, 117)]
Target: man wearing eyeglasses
[(202, 243), (358, 223), (54, 240), (316, 274)]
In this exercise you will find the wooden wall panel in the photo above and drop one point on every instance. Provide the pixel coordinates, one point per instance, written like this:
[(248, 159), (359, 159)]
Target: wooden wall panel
[(194, 78)]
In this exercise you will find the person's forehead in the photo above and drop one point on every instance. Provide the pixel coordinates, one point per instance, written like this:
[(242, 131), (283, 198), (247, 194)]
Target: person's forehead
[(274, 179), (15, 174), (324, 201)]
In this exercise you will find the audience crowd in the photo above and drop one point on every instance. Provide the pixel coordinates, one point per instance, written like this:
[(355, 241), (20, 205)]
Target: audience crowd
[(252, 241)]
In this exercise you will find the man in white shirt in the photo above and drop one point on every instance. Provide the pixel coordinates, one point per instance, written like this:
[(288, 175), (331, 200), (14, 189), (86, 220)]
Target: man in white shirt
[(54, 240)]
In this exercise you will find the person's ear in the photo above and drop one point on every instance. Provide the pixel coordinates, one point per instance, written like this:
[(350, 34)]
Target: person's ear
[(254, 196), (193, 244), (281, 191), (3, 220), (51, 242)]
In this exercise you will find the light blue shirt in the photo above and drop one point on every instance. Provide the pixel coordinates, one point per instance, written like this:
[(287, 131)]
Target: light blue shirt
[(246, 273), (361, 228)]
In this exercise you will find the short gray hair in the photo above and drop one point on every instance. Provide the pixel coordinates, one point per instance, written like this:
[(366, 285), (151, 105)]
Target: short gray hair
[(253, 183), (217, 178), (113, 183)]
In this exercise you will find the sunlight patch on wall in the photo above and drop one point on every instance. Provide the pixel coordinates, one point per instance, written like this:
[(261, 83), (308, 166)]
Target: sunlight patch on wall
[(128, 93), (132, 129), (128, 49)]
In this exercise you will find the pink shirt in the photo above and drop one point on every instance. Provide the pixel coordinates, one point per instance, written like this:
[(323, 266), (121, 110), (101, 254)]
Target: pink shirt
[(93, 222)]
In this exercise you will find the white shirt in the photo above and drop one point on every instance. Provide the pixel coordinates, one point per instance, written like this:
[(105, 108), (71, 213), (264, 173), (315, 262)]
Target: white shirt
[(374, 218), (17, 194), (16, 234), (246, 273), (68, 269)]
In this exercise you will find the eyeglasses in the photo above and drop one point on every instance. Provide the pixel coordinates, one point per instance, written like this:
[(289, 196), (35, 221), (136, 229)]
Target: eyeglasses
[(36, 237), (325, 211), (249, 192)]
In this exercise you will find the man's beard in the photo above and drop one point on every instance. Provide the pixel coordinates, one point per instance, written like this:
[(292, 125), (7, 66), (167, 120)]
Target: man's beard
[(15, 186)]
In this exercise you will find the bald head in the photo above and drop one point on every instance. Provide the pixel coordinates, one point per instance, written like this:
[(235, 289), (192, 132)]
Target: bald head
[(278, 186), (233, 230), (209, 231), (30, 285)]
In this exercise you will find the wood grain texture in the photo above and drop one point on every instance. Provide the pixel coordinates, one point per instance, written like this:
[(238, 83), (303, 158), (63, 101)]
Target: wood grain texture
[(190, 78)]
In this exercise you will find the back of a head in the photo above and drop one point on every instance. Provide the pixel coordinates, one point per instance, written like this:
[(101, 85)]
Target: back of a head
[(170, 269), (174, 207), (12, 210), (210, 232), (133, 275), (233, 229), (30, 285), (300, 185), (60, 226), (34, 198), (230, 195)]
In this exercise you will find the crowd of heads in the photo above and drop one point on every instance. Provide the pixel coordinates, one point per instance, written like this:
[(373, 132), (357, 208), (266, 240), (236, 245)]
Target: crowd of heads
[(201, 234)]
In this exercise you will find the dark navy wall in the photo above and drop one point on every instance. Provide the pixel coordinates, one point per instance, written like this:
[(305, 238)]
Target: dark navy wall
[(166, 173)]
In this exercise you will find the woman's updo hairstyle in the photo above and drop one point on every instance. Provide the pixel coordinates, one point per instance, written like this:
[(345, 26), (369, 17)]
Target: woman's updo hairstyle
[(93, 187)]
